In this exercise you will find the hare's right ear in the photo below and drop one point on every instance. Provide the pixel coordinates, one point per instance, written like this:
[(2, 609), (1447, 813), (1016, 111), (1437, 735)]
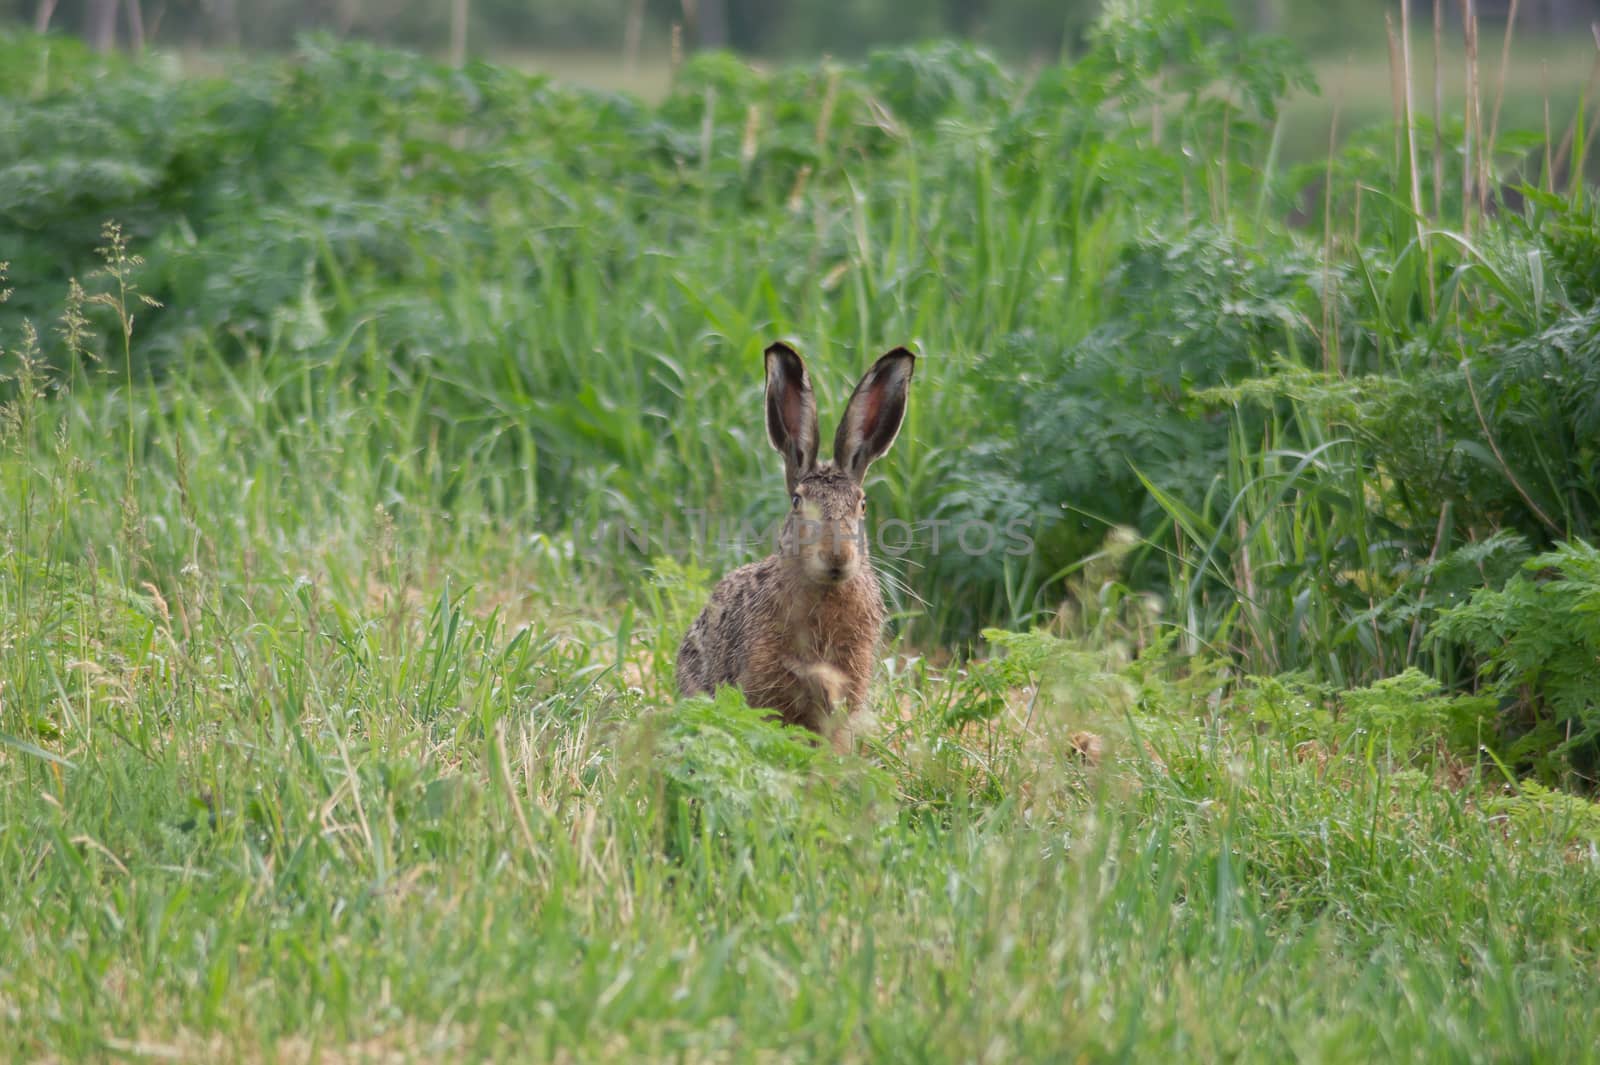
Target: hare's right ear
[(791, 413)]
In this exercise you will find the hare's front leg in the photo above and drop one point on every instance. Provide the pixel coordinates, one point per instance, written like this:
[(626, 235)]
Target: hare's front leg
[(846, 715)]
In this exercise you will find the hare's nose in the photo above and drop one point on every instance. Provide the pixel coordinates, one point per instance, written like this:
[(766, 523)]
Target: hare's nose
[(835, 571)]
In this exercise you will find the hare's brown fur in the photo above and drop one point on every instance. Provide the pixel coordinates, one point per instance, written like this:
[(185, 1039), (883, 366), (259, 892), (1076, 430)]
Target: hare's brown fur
[(798, 631)]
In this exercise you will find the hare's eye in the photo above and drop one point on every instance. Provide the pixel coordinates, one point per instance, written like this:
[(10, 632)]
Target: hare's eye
[(795, 499)]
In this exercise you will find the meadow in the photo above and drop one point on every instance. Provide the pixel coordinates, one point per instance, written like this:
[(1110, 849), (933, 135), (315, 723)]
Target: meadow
[(330, 730)]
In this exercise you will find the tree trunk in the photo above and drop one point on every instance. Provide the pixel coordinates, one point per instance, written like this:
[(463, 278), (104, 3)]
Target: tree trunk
[(459, 10), (711, 24), (1565, 14), (346, 14), (135, 26), (41, 15), (225, 22), (961, 17), (632, 34), (101, 25)]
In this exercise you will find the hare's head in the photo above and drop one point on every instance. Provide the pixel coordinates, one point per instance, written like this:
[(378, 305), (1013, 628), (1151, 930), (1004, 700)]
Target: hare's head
[(826, 529)]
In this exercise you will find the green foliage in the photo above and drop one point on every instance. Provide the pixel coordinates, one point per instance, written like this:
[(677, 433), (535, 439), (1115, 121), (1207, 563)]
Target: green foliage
[(1471, 429), (770, 27), (295, 755), (329, 723), (730, 773), (1119, 327), (1538, 812), (1048, 669), (1408, 712), (469, 239), (1402, 720), (1537, 640), (1186, 313), (1192, 47)]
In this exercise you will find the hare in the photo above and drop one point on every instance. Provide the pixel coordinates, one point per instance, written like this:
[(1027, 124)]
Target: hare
[(798, 631)]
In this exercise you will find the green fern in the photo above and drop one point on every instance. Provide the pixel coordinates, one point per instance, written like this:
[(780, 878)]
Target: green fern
[(1538, 641), (1540, 811)]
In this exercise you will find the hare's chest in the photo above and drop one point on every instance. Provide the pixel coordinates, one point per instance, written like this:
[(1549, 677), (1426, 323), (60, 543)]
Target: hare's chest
[(815, 631), (837, 630)]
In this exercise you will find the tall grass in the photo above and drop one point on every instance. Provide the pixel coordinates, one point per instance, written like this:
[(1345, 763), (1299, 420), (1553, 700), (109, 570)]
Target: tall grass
[(278, 786), (328, 730), (564, 301), (546, 298)]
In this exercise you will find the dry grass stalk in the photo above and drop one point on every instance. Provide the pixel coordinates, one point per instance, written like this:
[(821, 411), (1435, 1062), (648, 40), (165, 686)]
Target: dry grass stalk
[(1470, 165), (1415, 183), (1438, 109), (1500, 88), (632, 36), (1396, 92), (1544, 88), (1330, 307)]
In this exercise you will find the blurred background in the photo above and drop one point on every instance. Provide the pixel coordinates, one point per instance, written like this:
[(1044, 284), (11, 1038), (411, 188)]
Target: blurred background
[(606, 31), (1170, 276), (634, 45)]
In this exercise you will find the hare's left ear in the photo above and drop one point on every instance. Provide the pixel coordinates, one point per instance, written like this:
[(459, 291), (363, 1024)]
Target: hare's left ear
[(872, 418)]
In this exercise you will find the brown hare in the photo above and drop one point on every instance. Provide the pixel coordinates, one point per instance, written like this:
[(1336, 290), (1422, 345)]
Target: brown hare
[(798, 631)]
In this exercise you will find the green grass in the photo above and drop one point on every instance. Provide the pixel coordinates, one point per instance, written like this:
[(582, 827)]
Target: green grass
[(366, 789), (323, 736), (285, 777)]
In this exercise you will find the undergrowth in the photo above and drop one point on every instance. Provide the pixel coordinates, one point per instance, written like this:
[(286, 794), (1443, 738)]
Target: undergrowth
[(336, 723)]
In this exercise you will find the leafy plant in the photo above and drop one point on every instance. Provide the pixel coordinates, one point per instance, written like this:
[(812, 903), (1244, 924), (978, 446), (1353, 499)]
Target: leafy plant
[(730, 773), (1400, 721), (1537, 640), (1538, 811)]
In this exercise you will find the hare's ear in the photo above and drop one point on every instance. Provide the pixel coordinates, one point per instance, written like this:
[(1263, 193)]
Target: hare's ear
[(872, 419), (791, 412)]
